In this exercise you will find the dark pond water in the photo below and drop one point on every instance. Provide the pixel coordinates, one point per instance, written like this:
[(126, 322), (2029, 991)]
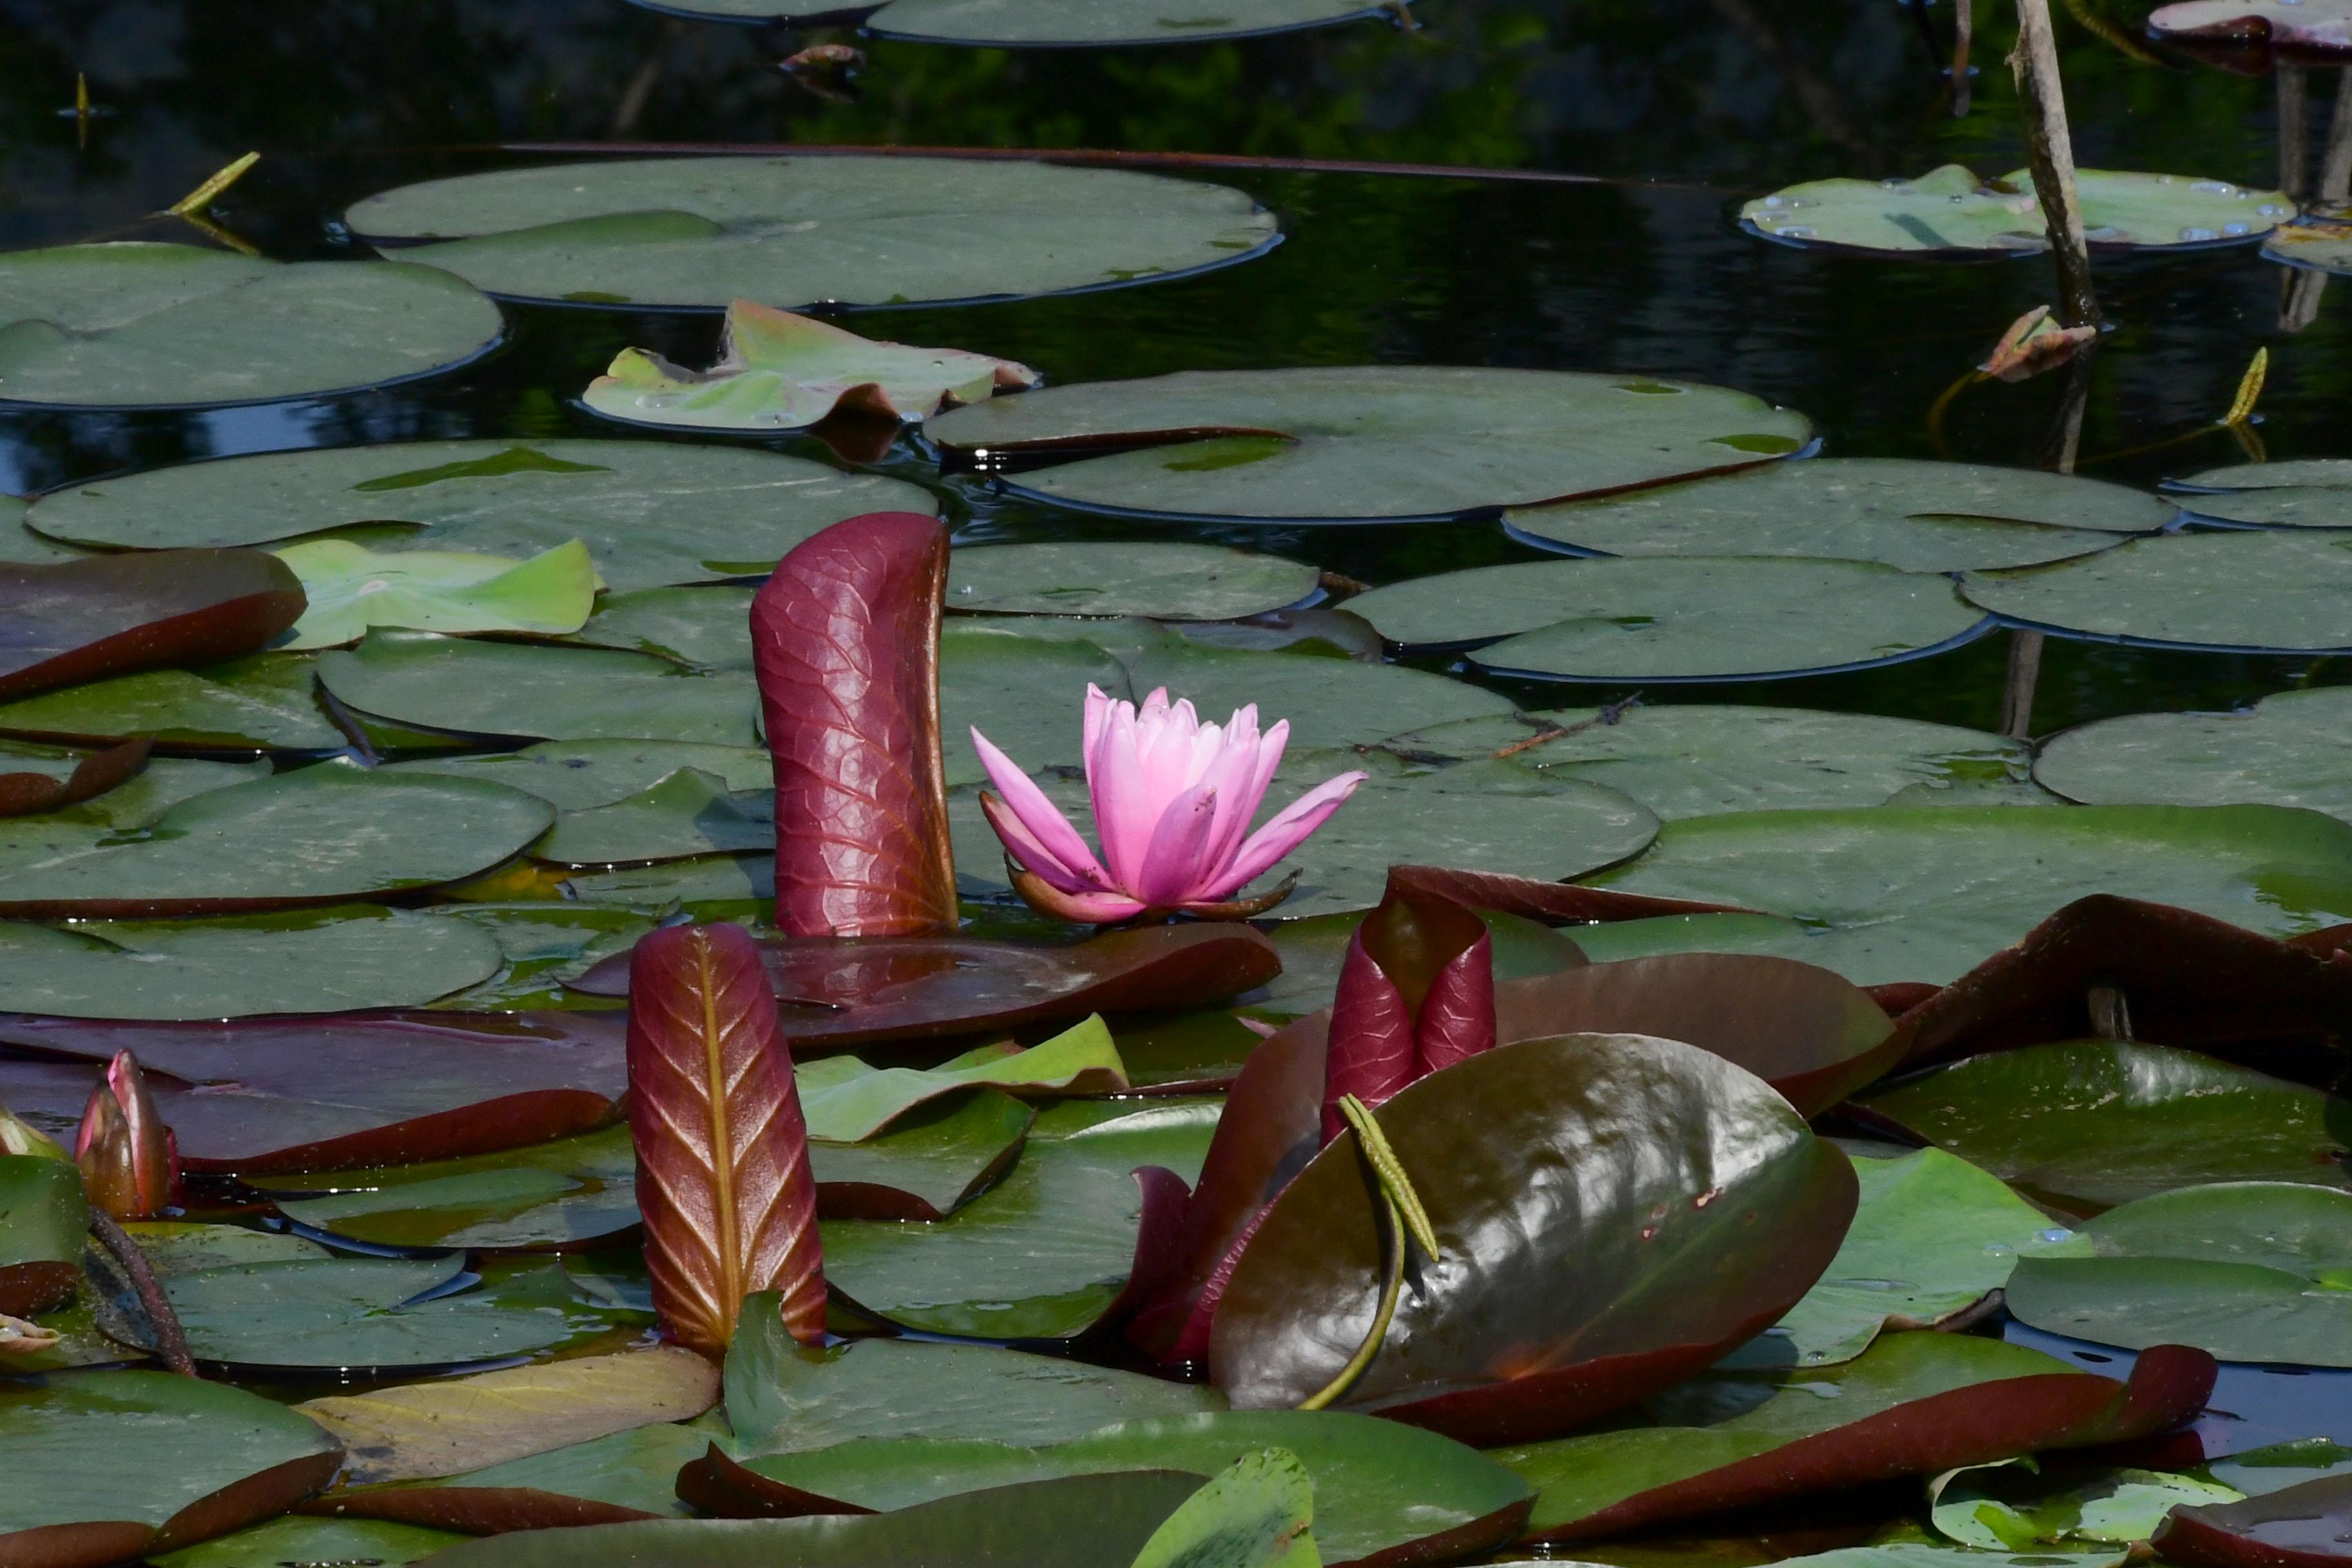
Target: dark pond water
[(1653, 119)]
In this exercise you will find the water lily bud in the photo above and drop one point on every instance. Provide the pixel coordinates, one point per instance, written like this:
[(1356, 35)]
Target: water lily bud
[(130, 1162)]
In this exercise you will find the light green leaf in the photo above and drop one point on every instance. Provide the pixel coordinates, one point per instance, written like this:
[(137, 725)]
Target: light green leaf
[(352, 588)]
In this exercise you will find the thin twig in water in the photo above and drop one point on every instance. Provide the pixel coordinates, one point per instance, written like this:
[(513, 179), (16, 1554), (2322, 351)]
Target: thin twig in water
[(171, 1341), (1609, 714)]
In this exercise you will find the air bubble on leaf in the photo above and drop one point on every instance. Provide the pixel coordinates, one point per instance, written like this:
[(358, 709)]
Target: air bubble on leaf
[(1797, 231), (2234, 228), (1998, 1249), (2193, 232), (2273, 209), (2056, 1233), (2217, 187)]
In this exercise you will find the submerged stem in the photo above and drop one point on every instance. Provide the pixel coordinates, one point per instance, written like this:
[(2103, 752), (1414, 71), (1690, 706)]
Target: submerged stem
[(171, 1341)]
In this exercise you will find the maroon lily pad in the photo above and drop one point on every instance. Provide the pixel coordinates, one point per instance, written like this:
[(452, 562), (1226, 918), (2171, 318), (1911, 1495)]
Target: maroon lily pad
[(1613, 1211), (23, 794), (1808, 1032), (2305, 1526), (81, 619), (336, 1092), (2186, 979), (1554, 903), (839, 992)]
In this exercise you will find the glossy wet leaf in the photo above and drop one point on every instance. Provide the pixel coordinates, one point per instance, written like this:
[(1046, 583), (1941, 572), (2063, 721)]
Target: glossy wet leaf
[(1675, 619), (650, 512), (264, 702), (110, 1465), (1664, 1172), (1389, 442), (273, 1096), (326, 833), (295, 1539), (1064, 22), (1913, 1404), (1898, 511), (351, 588), (1949, 210), (2293, 748), (1383, 1491), (2090, 1123), (323, 961), (1171, 581), (2248, 1270), (1080, 1521), (2300, 1527), (470, 687), (148, 325), (794, 232), (1044, 1252), (782, 1397), (43, 1218), (2243, 589), (450, 1425), (1923, 894), (81, 620), (778, 371), (1933, 1236), (846, 1099), (2001, 1508), (1697, 759)]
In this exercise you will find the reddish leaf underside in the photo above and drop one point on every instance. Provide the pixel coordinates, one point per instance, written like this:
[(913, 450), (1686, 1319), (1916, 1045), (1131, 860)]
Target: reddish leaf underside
[(109, 614), (2305, 1526), (845, 636), (723, 1178)]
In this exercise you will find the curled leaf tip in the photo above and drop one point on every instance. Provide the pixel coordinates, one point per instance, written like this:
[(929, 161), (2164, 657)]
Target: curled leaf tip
[(844, 638), (1416, 995), (723, 1177)]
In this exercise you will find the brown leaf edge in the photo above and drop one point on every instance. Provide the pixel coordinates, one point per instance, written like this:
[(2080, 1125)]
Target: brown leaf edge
[(22, 794), (1972, 1426), (470, 1511), (723, 1178), (846, 642), (258, 596), (1553, 903), (96, 1544)]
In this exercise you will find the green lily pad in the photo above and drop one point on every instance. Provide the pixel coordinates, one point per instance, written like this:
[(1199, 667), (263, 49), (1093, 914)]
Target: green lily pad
[(1949, 210), (2292, 749), (844, 1099), (262, 702), (1674, 619), (1329, 703), (2006, 1508), (782, 1397), (2247, 1270), (570, 1191), (579, 776), (709, 886), (624, 1476), (319, 960), (800, 231), (297, 1539), (1473, 816), (43, 1219), (1172, 581), (1256, 1512), (544, 944), (780, 371), (687, 814), (20, 546), (1933, 1236), (1382, 1489), (1042, 1254), (651, 512), (458, 684), (2313, 492), (352, 588), (146, 326), (1898, 511), (2244, 590), (1055, 21), (326, 833), (706, 627), (930, 1162), (1896, 893), (1026, 694), (1392, 443), (363, 1312), (1698, 759), (113, 1465), (160, 784), (2090, 1123)]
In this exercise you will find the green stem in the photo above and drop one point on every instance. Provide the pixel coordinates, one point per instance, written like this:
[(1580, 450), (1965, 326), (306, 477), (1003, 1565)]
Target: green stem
[(1322, 1397)]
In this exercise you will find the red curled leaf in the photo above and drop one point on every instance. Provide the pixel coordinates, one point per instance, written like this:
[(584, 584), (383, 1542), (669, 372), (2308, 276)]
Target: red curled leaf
[(1416, 993), (723, 1175), (2305, 1526), (845, 638), (81, 620)]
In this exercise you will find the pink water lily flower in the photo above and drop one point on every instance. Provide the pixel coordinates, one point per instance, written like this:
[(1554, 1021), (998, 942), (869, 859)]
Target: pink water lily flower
[(1172, 800)]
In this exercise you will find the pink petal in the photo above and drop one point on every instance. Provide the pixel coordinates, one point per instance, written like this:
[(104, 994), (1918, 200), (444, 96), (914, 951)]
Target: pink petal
[(1125, 814), (1098, 707), (1288, 830), (1033, 855), (1254, 771), (1048, 831), (1173, 870)]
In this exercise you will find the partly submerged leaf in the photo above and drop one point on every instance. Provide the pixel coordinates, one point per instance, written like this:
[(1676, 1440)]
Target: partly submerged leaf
[(777, 370), (82, 619), (2244, 589), (264, 702), (1949, 210), (2293, 748), (351, 588), (722, 1152)]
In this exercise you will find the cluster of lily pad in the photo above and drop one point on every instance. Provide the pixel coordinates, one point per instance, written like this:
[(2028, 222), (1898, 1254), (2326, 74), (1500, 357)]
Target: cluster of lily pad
[(456, 922)]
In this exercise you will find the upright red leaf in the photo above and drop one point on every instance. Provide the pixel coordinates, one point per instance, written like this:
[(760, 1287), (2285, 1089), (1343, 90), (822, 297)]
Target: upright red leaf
[(723, 1175), (1416, 993), (845, 638)]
